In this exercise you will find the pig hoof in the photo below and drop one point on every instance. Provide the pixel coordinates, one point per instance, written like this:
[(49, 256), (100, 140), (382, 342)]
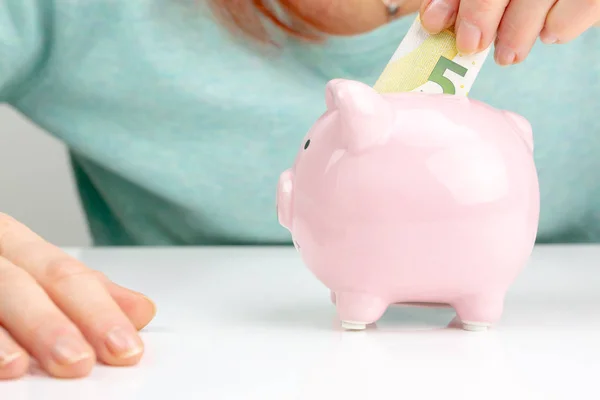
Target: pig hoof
[(353, 326), (477, 313), (359, 308), (475, 326)]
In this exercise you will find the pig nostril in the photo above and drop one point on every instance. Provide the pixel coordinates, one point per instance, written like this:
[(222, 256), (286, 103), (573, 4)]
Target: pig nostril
[(307, 144)]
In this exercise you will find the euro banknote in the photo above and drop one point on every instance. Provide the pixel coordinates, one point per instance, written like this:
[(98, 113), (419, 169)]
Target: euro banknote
[(431, 64)]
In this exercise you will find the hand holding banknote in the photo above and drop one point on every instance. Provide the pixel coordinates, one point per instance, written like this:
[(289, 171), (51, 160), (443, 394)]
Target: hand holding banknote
[(514, 25)]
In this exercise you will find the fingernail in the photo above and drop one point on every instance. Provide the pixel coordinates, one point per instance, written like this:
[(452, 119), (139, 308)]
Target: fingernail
[(7, 357), (505, 55), (548, 38), (468, 37), (69, 350), (154, 308), (123, 343), (437, 16)]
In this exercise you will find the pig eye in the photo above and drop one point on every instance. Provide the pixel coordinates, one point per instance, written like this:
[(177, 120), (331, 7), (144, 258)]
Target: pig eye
[(307, 144)]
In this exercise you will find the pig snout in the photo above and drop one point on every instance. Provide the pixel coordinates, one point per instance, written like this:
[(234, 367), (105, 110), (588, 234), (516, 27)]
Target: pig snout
[(284, 199)]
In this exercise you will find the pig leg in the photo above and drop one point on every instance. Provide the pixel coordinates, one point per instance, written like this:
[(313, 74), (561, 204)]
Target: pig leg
[(477, 313), (332, 297), (357, 310)]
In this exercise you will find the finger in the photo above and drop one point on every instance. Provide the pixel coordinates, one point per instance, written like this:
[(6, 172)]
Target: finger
[(39, 326), (75, 289), (568, 19), (437, 15), (520, 27), (139, 309), (14, 360), (477, 23)]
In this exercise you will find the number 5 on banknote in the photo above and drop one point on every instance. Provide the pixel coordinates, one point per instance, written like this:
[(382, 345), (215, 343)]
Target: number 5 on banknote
[(437, 75)]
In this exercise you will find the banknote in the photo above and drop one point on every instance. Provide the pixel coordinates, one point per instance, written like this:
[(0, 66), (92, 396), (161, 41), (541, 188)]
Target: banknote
[(431, 64)]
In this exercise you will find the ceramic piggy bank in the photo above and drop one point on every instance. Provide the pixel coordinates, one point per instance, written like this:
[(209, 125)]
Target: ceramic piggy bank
[(412, 198)]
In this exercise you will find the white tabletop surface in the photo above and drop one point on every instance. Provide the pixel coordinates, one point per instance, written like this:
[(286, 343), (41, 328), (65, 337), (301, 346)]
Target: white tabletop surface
[(253, 323)]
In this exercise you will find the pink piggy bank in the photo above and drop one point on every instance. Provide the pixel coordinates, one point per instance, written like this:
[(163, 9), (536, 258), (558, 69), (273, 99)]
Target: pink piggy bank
[(412, 198)]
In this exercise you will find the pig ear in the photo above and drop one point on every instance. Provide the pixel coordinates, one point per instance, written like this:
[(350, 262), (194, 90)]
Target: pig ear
[(330, 94), (366, 117), (522, 126)]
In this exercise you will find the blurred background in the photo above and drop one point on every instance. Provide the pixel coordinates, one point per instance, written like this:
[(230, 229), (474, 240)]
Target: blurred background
[(33, 165)]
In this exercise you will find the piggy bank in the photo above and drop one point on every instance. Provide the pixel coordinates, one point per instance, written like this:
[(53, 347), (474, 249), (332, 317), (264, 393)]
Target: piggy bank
[(414, 199)]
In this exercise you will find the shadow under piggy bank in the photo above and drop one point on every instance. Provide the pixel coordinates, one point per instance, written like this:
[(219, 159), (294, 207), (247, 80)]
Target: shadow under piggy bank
[(412, 198), (317, 316)]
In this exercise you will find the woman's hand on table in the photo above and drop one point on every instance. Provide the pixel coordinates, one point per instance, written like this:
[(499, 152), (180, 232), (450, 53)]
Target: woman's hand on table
[(514, 25), (56, 310)]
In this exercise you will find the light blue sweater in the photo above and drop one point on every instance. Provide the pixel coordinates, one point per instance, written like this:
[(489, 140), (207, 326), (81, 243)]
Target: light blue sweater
[(178, 135)]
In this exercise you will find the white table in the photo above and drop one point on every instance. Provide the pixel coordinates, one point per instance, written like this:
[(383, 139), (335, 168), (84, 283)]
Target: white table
[(253, 324)]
